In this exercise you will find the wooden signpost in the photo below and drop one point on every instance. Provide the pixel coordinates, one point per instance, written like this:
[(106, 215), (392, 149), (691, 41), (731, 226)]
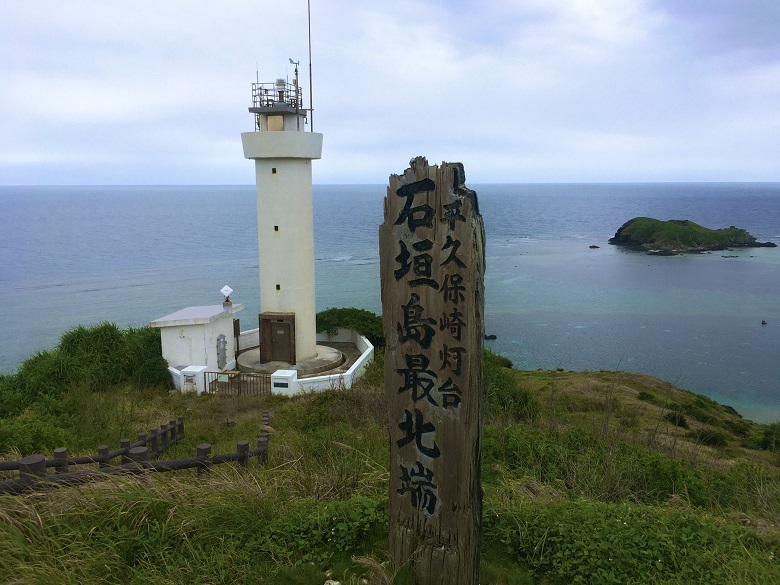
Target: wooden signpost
[(432, 257)]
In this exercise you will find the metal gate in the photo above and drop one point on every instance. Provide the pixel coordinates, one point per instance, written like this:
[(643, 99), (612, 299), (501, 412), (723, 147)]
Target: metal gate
[(237, 383)]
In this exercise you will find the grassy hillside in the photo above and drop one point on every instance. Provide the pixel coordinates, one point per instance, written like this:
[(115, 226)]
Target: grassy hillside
[(588, 478), (679, 236)]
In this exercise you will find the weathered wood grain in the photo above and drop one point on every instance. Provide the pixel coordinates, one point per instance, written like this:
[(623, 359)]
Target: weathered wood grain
[(432, 258)]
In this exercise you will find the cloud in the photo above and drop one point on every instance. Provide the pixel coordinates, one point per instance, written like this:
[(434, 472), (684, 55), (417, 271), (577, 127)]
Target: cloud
[(719, 27), (534, 90)]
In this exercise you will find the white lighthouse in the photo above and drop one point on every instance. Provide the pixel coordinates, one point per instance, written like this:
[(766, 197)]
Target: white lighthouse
[(283, 151)]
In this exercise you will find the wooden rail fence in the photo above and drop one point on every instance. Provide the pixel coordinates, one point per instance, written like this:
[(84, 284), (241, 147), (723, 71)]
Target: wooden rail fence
[(136, 459)]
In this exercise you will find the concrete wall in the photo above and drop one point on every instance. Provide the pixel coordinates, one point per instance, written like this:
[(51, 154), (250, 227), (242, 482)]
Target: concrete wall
[(285, 228), (176, 377), (345, 380), (285, 237), (249, 339), (285, 144), (196, 345), (183, 345), (211, 332)]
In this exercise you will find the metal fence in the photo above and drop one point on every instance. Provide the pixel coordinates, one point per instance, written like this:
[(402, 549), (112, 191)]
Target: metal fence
[(237, 383), (266, 95)]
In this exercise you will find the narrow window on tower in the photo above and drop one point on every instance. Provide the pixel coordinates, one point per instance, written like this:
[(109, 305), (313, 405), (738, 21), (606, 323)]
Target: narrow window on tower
[(273, 170), (278, 287), (276, 228)]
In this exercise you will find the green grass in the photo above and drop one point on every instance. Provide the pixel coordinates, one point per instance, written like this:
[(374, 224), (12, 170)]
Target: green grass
[(96, 358), (586, 477)]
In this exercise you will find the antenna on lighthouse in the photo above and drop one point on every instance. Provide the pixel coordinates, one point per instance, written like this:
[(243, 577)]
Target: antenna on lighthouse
[(311, 92), (297, 92)]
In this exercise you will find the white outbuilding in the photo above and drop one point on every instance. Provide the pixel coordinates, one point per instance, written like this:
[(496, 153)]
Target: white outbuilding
[(198, 339)]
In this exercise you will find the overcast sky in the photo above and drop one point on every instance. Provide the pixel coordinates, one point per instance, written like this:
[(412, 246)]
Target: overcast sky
[(156, 92)]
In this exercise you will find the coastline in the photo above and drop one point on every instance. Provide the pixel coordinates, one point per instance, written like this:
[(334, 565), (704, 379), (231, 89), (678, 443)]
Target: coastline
[(552, 301)]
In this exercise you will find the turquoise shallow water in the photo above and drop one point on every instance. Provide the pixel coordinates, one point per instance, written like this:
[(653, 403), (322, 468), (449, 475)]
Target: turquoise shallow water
[(81, 255), (694, 321)]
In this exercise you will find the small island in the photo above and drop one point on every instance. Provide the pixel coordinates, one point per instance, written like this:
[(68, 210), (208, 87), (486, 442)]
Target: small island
[(680, 236)]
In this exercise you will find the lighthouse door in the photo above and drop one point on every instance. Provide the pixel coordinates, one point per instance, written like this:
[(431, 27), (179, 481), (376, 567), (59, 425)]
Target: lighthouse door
[(280, 342)]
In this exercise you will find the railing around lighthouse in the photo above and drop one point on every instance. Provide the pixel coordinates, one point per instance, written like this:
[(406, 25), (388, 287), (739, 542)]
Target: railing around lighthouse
[(267, 95)]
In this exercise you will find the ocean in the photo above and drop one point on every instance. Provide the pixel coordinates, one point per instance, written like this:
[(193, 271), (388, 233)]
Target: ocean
[(129, 254)]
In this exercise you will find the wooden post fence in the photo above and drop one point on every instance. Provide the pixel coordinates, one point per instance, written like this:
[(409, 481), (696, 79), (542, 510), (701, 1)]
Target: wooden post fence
[(61, 458), (32, 467), (138, 457), (103, 452), (204, 452)]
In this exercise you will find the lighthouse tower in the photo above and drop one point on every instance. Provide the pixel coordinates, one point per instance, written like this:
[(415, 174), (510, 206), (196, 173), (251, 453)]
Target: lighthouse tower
[(283, 151)]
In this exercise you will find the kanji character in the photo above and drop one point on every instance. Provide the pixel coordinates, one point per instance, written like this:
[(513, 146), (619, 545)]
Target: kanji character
[(417, 377), (421, 215), (414, 429), (417, 480), (415, 326)]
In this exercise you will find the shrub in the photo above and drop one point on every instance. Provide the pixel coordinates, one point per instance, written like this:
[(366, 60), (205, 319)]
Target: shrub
[(46, 373), (499, 360), (30, 434), (676, 418), (142, 347), (710, 437), (97, 358), (153, 372), (503, 396), (771, 438), (662, 477), (738, 427), (11, 400), (647, 397), (316, 534), (364, 322)]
